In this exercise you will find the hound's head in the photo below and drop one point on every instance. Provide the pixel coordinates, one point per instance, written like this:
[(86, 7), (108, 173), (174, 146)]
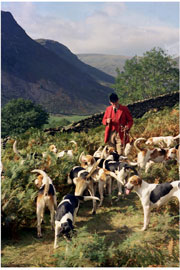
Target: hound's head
[(110, 150), (87, 161), (66, 227), (39, 181), (149, 141), (52, 148), (133, 182), (81, 185), (172, 153)]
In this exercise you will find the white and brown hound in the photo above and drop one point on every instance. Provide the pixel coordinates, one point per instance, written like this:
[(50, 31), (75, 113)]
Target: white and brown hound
[(128, 147), (66, 215), (69, 153), (146, 157), (175, 153), (163, 141), (46, 197), (152, 195)]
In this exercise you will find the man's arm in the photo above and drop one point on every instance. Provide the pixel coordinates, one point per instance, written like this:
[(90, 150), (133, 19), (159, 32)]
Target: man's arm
[(129, 119), (106, 120)]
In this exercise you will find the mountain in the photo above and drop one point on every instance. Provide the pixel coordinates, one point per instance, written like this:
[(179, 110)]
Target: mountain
[(31, 71), (64, 53), (106, 63)]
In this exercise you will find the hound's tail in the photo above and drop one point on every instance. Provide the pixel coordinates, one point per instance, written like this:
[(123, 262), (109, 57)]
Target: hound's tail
[(103, 151), (76, 146), (15, 149), (87, 198), (46, 180), (116, 177), (177, 137), (135, 144)]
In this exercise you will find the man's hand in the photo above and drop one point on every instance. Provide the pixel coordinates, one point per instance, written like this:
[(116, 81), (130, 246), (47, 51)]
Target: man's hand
[(108, 121)]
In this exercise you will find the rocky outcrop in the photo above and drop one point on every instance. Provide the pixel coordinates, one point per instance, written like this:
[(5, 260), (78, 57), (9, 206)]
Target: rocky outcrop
[(137, 109)]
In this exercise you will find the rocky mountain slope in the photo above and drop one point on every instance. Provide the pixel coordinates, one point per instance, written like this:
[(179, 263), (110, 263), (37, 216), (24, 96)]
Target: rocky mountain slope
[(64, 53), (31, 71)]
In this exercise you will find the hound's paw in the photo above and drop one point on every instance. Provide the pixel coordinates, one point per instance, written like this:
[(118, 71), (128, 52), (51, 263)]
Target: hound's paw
[(143, 229)]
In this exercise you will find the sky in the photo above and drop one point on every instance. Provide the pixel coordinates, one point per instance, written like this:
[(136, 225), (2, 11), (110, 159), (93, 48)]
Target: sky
[(116, 28)]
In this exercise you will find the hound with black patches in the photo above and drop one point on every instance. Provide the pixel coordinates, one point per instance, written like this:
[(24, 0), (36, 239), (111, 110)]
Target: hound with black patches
[(46, 197), (121, 170), (152, 195), (66, 214), (114, 166)]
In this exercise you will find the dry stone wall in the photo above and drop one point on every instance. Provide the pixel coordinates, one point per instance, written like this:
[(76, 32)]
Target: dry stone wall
[(137, 109)]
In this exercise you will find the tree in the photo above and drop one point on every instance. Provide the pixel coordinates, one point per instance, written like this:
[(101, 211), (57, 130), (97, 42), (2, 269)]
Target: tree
[(148, 76), (18, 115)]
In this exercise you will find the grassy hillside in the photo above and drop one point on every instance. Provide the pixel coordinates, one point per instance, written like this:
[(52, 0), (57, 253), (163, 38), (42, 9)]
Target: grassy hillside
[(112, 237)]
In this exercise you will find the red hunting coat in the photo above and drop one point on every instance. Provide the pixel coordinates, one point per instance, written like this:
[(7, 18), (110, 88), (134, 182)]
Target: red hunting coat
[(120, 119)]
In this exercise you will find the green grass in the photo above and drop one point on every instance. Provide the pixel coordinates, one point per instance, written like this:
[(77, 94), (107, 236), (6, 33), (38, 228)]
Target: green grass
[(62, 120), (111, 238)]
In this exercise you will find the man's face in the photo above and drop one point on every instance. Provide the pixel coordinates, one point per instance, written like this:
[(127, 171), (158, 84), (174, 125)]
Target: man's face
[(114, 104)]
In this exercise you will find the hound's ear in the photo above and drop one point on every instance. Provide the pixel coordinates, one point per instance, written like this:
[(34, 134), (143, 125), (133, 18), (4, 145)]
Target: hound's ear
[(139, 181), (135, 180), (75, 180), (92, 160)]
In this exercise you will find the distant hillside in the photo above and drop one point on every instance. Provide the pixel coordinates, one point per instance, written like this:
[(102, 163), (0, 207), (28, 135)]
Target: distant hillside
[(31, 71), (64, 53), (106, 63)]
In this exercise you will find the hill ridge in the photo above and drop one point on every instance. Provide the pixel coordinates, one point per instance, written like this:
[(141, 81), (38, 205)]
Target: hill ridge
[(31, 71)]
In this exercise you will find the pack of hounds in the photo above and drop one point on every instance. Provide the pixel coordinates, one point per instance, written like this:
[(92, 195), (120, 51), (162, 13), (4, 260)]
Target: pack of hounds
[(104, 170)]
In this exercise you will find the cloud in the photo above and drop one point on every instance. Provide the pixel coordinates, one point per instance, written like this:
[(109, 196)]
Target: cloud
[(114, 29)]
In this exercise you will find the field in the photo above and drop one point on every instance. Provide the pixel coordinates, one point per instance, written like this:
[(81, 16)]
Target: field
[(57, 121), (112, 237)]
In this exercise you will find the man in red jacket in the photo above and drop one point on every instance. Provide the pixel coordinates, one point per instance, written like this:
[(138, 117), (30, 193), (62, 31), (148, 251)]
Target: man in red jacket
[(118, 121)]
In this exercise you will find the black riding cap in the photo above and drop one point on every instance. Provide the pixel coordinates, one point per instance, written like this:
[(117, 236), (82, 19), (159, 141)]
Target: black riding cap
[(113, 97)]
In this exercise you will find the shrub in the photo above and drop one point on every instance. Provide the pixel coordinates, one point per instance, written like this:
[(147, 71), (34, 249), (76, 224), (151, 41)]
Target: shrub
[(18, 115)]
